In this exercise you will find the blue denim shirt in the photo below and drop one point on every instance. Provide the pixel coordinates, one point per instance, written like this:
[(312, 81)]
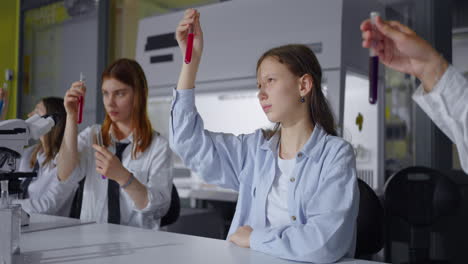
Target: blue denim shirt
[(323, 196)]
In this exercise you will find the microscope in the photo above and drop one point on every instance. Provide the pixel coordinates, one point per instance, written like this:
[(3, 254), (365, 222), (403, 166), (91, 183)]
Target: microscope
[(14, 136)]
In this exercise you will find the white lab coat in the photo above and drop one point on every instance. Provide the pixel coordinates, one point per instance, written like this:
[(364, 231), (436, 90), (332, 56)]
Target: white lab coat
[(47, 195), (447, 106), (153, 168)]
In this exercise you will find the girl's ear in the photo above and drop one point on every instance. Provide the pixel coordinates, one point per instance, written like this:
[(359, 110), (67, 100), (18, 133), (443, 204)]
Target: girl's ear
[(306, 84)]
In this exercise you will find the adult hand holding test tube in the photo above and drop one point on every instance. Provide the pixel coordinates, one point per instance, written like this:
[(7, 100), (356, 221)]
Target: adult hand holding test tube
[(401, 49), (74, 100), (68, 154)]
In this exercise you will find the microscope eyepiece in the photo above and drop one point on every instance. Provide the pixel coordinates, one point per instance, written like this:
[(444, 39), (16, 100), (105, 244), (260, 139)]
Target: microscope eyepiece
[(56, 117)]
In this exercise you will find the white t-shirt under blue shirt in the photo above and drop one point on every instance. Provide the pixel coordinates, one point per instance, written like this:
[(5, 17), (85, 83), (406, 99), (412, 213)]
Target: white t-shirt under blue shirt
[(322, 221), (277, 202)]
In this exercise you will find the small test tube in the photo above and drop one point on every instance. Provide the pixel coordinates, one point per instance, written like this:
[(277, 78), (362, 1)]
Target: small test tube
[(100, 142), (373, 65), (80, 102), (188, 50)]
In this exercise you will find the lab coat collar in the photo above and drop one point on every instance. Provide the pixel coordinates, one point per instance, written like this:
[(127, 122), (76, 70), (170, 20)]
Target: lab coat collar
[(128, 139)]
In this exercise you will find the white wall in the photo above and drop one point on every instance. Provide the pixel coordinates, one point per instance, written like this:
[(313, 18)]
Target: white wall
[(59, 53), (229, 112)]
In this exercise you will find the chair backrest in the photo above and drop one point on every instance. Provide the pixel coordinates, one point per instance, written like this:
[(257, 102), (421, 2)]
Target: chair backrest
[(174, 209), (418, 196), (171, 216), (75, 210), (370, 222)]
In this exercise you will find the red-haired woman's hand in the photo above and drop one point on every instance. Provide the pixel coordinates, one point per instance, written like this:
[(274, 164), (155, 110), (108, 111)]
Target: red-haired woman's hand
[(109, 165), (72, 98)]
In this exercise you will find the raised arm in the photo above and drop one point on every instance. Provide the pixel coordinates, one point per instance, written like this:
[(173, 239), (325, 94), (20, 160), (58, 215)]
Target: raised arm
[(190, 22), (68, 154), (216, 157), (443, 94)]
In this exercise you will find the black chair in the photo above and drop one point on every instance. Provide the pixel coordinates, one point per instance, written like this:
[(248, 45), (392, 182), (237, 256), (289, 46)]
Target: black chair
[(171, 216), (370, 222), (174, 209), (75, 210), (418, 197), (200, 222)]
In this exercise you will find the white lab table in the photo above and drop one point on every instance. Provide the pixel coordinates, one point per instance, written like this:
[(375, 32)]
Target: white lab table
[(108, 243), (40, 222)]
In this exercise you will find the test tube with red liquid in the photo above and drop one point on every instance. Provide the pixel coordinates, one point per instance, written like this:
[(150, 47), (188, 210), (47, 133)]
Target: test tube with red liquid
[(188, 51), (80, 102), (373, 65)]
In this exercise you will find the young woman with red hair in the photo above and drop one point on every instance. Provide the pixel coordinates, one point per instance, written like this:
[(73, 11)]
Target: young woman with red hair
[(127, 180)]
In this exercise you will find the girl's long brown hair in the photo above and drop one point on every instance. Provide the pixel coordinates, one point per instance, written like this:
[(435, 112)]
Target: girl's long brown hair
[(301, 60), (130, 72), (53, 139)]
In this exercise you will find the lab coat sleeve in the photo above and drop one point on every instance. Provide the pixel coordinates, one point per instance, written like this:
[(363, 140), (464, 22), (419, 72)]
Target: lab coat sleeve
[(85, 152), (55, 197), (158, 182), (331, 212), (447, 106), (216, 157), (24, 165)]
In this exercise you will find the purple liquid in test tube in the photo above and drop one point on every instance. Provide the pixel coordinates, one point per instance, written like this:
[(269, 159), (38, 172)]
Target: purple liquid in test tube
[(373, 66), (373, 78)]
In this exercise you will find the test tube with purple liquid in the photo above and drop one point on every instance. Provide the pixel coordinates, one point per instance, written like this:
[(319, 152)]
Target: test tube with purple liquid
[(373, 65)]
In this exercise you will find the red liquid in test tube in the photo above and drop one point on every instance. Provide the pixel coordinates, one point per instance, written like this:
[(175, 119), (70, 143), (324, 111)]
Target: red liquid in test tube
[(188, 51), (80, 102), (80, 110)]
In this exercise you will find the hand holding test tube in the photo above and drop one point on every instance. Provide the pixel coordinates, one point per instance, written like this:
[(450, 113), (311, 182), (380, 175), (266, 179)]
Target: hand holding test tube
[(189, 36), (400, 48)]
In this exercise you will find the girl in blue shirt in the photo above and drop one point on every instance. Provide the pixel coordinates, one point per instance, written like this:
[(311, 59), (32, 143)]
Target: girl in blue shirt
[(298, 194)]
